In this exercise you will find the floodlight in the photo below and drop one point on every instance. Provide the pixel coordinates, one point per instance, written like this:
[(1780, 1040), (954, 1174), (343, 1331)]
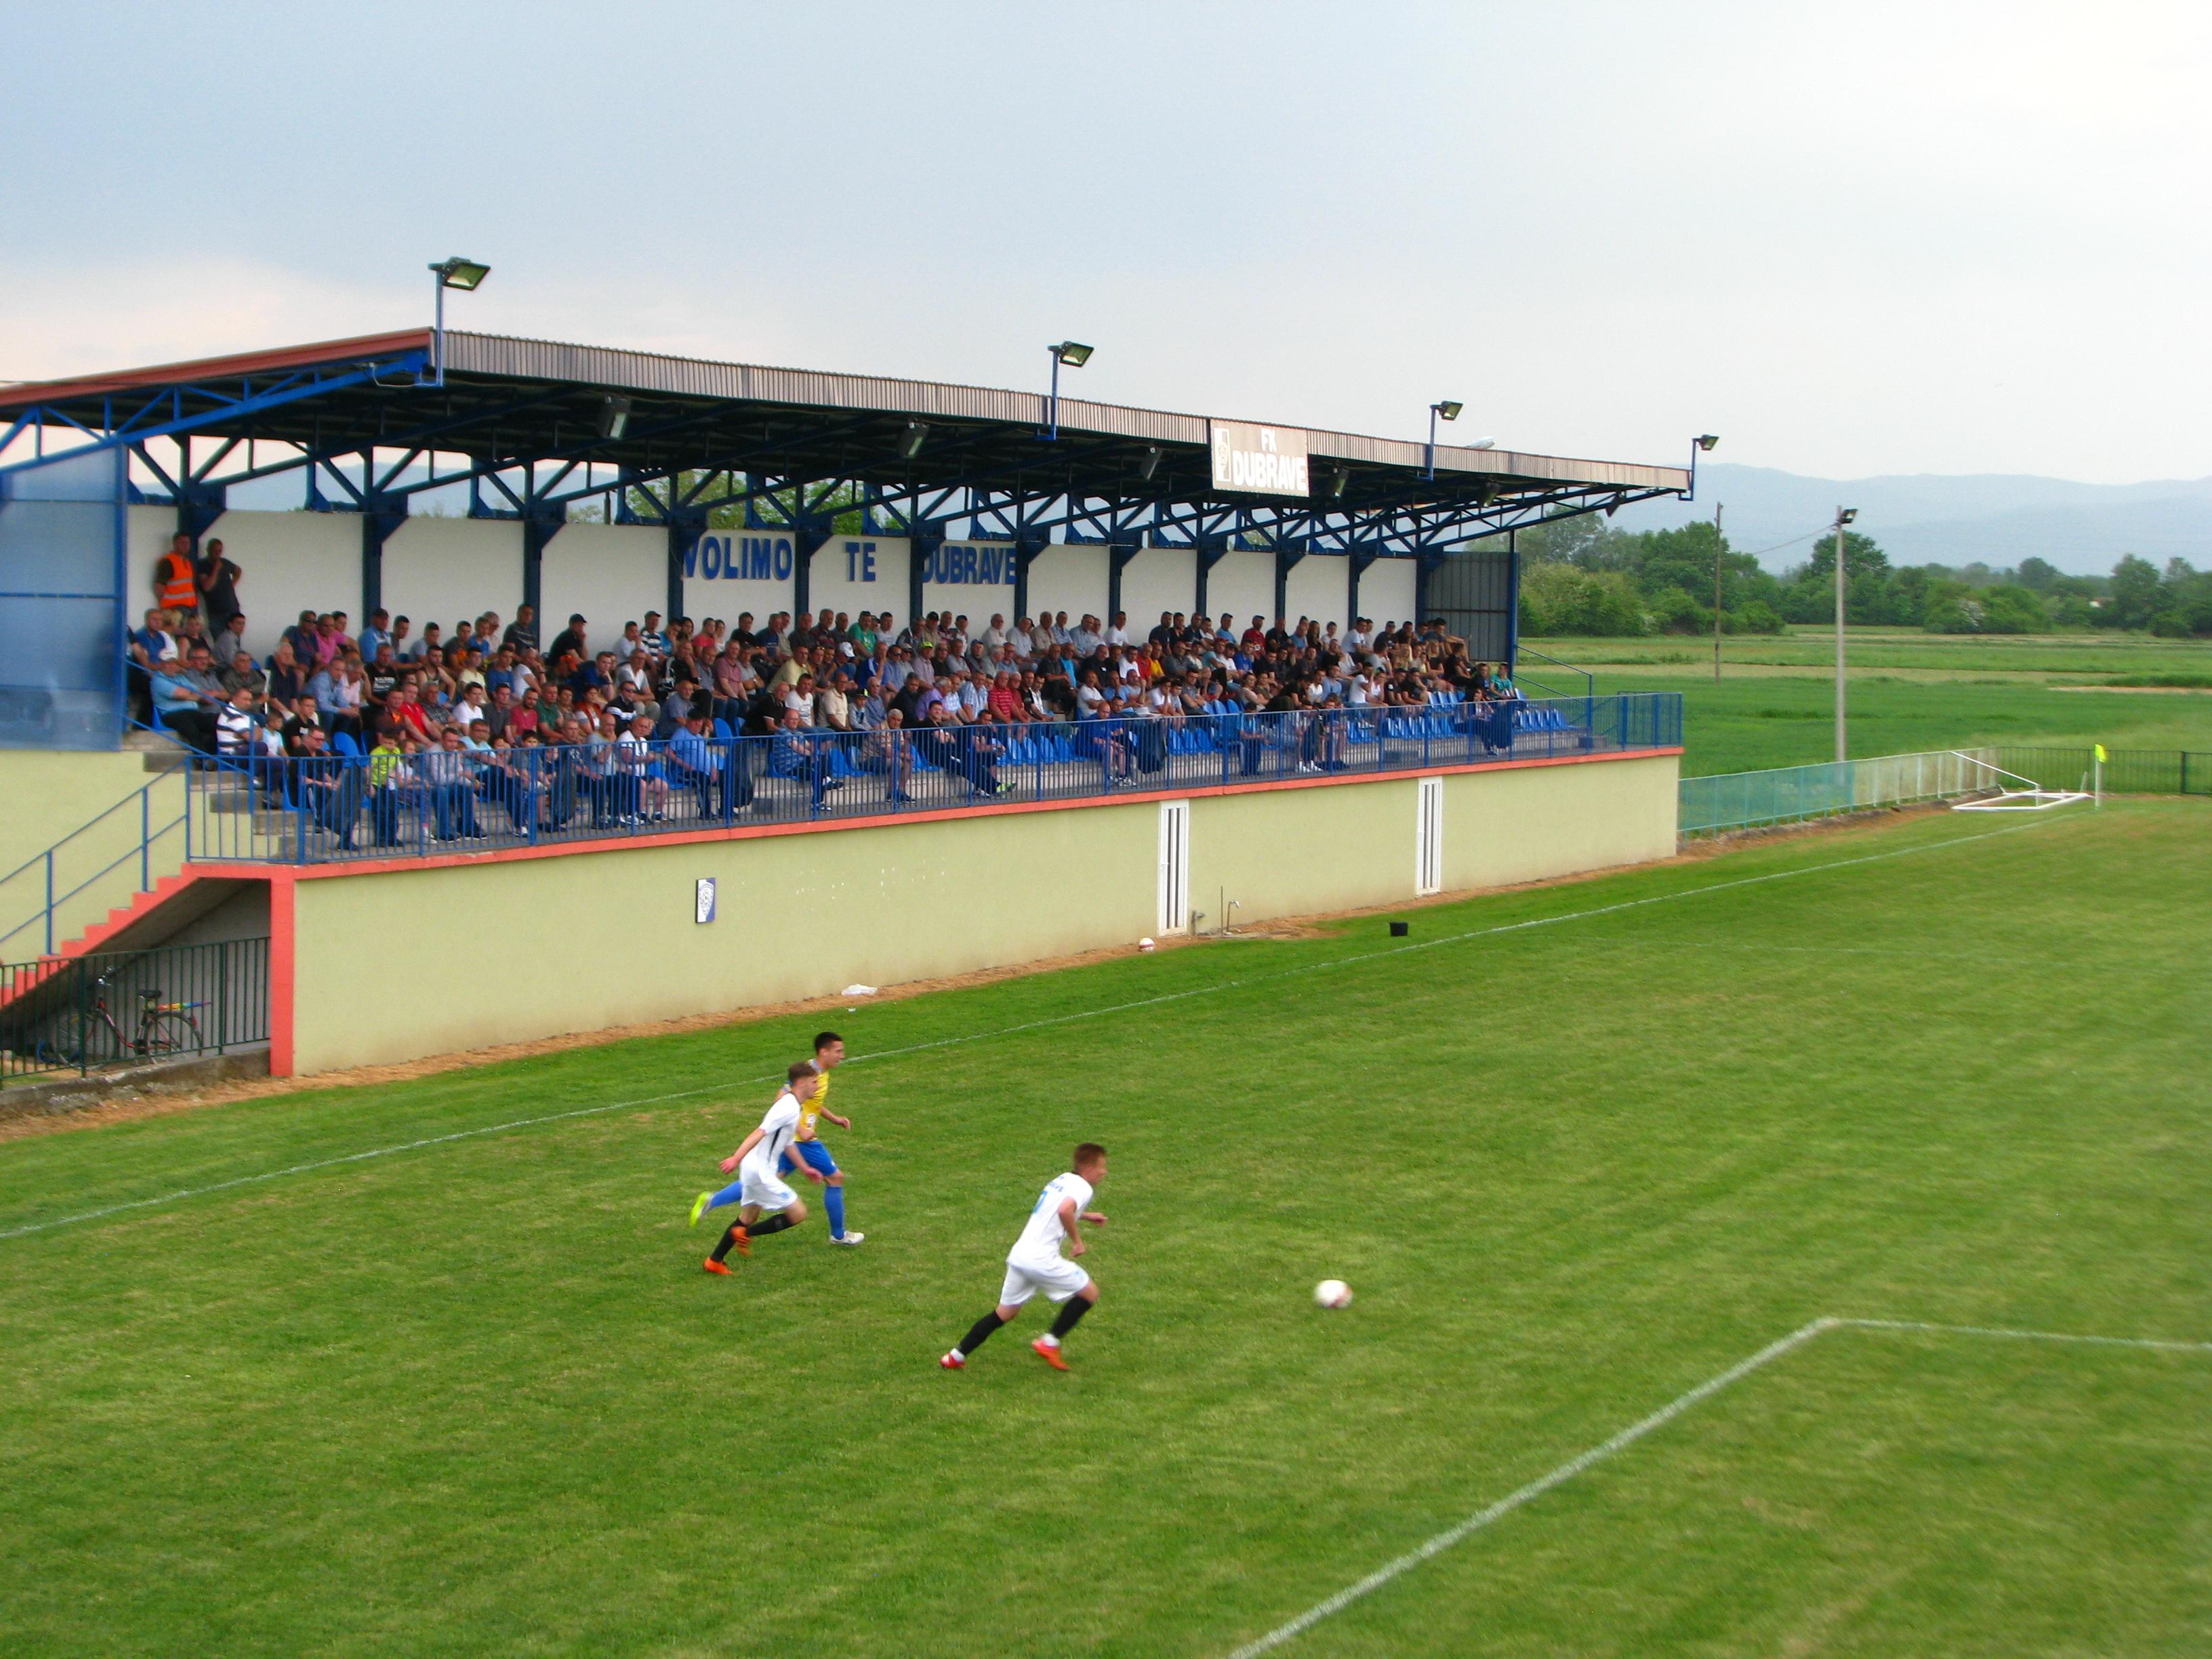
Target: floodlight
[(1151, 464), (1846, 514), (1337, 478), (463, 274), (1447, 409), (1707, 439), (910, 441), (614, 416), (1072, 353)]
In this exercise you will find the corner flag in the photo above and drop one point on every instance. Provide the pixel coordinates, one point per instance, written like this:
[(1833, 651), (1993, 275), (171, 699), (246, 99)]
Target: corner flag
[(2101, 755)]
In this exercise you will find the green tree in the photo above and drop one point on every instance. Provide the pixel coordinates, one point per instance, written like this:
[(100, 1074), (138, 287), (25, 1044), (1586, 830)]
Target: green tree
[(2137, 592), (2039, 574)]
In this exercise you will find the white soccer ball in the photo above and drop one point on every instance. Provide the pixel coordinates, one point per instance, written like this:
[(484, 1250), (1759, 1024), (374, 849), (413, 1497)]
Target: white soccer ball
[(1332, 1293), (1144, 944)]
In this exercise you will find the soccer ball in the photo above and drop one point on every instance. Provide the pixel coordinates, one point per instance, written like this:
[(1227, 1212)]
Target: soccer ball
[(1332, 1293), (1144, 944)]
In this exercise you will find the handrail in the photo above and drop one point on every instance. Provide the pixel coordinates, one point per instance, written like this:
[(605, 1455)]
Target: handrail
[(1589, 680), (45, 908)]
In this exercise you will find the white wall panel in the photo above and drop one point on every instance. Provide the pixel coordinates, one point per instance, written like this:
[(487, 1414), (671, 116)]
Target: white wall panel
[(1158, 579), (853, 573), (1071, 578), (288, 562), (1317, 588), (613, 573), (441, 570), (730, 572), (1386, 591), (971, 580), (1244, 585)]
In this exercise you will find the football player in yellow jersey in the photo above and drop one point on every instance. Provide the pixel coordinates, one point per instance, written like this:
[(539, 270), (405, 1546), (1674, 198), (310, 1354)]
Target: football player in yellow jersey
[(828, 1054)]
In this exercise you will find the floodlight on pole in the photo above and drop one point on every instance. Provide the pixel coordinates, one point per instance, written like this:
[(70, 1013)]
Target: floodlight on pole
[(1843, 516), (1074, 354), (1448, 408), (1701, 445), (466, 274)]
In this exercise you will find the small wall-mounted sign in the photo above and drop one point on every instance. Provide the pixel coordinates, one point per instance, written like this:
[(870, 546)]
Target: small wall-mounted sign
[(705, 906)]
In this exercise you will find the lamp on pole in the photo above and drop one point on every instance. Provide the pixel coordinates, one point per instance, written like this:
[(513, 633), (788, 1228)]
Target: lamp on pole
[(466, 274), (1843, 516), (1449, 410), (1074, 354), (1703, 445)]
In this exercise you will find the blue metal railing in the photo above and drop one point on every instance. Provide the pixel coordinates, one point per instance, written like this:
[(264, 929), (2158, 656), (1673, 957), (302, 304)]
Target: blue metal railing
[(41, 887), (332, 807)]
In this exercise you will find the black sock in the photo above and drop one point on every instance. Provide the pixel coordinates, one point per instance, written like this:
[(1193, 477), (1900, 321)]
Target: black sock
[(981, 1332), (729, 1242), (770, 1224), (1070, 1311)]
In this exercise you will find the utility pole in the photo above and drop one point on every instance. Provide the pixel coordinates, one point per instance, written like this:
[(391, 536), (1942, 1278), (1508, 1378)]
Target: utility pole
[(1843, 516), (1717, 545)]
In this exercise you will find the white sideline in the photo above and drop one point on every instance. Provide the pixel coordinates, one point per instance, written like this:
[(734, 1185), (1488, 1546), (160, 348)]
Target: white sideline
[(102, 1213), (1674, 1408)]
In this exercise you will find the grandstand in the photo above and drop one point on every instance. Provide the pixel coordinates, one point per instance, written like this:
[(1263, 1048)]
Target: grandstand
[(793, 602)]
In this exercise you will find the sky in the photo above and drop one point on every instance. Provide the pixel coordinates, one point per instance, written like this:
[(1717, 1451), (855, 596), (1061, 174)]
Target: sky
[(1876, 239)]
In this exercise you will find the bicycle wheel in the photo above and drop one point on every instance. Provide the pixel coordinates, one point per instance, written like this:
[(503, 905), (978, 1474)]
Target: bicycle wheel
[(171, 1033)]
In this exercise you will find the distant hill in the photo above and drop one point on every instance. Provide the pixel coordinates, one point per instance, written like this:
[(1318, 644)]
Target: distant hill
[(1995, 519)]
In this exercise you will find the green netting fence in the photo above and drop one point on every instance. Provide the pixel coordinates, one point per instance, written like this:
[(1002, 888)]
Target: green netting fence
[(1785, 794)]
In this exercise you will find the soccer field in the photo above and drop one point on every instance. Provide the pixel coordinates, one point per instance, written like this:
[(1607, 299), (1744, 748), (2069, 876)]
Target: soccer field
[(431, 1369)]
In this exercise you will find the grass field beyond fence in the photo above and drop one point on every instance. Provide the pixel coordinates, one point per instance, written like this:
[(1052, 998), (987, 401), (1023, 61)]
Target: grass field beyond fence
[(430, 1367)]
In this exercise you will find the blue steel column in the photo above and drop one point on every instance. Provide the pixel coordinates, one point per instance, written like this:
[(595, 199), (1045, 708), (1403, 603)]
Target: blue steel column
[(1512, 599), (685, 525), (1285, 558), (1027, 546), (927, 539), (198, 505), (1118, 555), (807, 540), (380, 517), (1210, 551), (539, 527), (1357, 565)]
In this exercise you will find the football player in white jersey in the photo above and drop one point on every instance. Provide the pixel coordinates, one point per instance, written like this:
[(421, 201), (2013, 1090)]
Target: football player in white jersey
[(1036, 1264), (755, 1161)]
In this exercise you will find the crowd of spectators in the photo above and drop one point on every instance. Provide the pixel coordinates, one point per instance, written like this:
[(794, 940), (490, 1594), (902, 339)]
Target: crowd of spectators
[(450, 720)]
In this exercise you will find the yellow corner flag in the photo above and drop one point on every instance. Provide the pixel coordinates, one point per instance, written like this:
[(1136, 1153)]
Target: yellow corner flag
[(2101, 755)]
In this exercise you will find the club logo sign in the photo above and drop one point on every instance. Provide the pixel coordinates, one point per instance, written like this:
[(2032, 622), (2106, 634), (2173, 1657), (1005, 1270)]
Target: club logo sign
[(1259, 460)]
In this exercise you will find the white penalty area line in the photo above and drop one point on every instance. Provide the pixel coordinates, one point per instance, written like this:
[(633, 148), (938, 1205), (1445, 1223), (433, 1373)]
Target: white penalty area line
[(1658, 1419), (1211, 990)]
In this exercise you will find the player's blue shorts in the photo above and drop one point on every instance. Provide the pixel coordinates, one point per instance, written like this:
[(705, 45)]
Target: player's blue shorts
[(816, 1154)]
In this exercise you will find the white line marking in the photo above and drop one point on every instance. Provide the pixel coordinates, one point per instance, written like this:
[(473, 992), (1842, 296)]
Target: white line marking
[(2161, 1344), (1218, 986), (1636, 1431), (1536, 1488)]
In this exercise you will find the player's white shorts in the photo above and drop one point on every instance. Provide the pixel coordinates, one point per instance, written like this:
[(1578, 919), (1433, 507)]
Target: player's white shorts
[(1056, 1276), (761, 1185)]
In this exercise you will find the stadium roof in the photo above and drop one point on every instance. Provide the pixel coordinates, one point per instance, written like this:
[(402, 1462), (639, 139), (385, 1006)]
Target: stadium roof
[(538, 424)]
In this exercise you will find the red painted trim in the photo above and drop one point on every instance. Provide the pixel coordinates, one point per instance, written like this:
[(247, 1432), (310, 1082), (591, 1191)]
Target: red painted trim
[(997, 809), (251, 362), (282, 956)]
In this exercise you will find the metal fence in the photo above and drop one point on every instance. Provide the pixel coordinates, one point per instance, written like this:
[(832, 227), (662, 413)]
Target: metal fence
[(133, 1007), (2127, 771), (1783, 794), (343, 807)]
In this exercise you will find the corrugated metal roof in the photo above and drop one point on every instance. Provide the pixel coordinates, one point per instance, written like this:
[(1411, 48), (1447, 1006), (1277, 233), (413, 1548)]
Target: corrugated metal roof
[(617, 370)]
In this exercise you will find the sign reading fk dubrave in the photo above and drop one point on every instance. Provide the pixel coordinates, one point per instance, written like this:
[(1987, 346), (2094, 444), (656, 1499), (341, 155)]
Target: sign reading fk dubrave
[(1261, 460)]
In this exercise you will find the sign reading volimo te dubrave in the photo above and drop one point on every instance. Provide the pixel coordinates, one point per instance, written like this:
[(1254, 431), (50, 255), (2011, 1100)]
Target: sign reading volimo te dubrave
[(1261, 460)]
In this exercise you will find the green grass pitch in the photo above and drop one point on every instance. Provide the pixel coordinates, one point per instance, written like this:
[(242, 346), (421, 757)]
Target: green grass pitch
[(475, 1397)]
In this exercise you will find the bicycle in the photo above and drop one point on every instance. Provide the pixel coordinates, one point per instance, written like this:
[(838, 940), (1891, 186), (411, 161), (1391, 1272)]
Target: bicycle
[(164, 1027)]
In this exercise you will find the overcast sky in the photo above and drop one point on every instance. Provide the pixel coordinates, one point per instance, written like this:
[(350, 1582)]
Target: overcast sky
[(1852, 240)]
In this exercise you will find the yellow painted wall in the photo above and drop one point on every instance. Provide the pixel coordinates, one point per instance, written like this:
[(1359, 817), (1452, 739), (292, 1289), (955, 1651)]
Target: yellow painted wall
[(45, 794), (805, 914), (1543, 821), (1300, 851)]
